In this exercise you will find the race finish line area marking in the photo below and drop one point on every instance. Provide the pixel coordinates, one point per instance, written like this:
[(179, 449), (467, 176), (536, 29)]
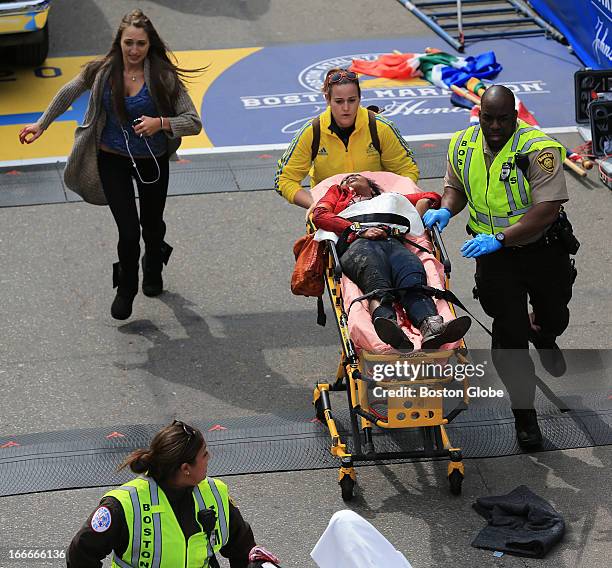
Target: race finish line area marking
[(256, 99), (268, 443)]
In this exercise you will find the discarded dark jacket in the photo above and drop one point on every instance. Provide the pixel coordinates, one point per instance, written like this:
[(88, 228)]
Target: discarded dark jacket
[(520, 523)]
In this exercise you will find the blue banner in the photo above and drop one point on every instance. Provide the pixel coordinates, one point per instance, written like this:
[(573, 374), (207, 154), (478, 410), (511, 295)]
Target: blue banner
[(585, 24)]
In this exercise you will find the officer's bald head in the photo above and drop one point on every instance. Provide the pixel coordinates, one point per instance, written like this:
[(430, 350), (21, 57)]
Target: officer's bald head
[(498, 97), (498, 116)]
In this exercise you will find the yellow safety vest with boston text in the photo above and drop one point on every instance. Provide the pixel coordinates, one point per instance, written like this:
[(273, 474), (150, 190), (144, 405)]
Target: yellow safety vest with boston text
[(156, 539), (495, 200)]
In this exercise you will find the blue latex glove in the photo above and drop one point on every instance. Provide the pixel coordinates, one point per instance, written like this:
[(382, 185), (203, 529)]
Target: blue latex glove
[(440, 216), (479, 245)]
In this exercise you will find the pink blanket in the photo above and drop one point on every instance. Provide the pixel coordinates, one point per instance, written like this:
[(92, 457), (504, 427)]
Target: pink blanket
[(359, 321)]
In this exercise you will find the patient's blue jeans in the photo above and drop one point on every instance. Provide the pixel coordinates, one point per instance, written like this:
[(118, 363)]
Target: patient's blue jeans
[(389, 264)]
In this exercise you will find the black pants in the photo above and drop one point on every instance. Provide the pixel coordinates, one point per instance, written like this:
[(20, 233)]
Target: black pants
[(506, 280), (117, 174), (389, 264)]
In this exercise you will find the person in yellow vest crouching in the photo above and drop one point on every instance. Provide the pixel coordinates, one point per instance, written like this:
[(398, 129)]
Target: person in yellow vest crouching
[(510, 176), (171, 515)]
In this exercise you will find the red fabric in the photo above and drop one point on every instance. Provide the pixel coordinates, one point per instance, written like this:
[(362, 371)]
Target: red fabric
[(337, 199), (391, 66)]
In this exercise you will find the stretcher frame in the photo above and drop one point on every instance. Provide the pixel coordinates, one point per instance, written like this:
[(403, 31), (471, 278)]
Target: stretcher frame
[(427, 414)]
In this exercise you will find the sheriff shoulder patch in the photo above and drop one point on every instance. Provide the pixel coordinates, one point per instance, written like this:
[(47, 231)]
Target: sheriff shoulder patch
[(546, 161)]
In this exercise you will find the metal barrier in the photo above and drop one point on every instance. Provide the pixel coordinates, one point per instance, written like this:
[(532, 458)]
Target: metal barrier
[(451, 21)]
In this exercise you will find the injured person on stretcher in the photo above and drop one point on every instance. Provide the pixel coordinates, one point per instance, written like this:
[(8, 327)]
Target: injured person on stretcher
[(370, 228)]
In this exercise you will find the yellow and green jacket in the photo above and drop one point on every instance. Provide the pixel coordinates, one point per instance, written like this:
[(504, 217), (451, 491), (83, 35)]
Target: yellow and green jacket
[(155, 536), (500, 195), (334, 157)]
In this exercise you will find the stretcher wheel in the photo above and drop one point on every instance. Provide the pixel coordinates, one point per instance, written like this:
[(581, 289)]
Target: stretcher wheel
[(455, 478), (319, 410), (347, 486)]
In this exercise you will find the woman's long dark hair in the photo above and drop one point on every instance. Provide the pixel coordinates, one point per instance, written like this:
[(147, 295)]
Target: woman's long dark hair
[(170, 448), (376, 189), (162, 64)]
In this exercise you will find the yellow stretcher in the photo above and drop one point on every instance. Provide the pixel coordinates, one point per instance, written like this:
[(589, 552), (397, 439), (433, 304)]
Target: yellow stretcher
[(403, 412)]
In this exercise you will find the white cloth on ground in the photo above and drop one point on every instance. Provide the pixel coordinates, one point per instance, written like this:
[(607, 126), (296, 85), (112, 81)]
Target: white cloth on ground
[(349, 541)]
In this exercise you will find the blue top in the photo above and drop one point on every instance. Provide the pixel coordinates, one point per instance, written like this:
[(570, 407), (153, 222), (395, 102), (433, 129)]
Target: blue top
[(136, 106)]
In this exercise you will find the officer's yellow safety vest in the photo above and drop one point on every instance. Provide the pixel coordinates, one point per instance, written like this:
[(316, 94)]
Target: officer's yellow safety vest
[(500, 197), (155, 536)]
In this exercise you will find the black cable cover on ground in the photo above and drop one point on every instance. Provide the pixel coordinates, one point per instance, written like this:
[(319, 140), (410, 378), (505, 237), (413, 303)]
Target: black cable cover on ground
[(266, 443)]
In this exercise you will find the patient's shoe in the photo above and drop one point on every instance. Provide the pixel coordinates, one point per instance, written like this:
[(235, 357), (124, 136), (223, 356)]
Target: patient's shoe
[(387, 329), (391, 333), (436, 332)]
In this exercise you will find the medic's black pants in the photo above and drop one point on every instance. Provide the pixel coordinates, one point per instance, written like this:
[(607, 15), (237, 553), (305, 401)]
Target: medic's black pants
[(506, 280), (389, 264)]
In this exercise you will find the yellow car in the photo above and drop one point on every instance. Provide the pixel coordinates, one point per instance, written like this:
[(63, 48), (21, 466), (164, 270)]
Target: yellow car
[(23, 27)]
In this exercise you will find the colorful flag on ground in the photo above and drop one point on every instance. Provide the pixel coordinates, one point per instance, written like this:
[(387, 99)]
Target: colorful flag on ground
[(440, 68)]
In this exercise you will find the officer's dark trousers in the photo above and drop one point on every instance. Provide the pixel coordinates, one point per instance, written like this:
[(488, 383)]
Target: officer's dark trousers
[(389, 264), (117, 175), (506, 280)]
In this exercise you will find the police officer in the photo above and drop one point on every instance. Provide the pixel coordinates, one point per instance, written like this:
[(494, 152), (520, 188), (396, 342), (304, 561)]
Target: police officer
[(171, 515), (510, 176)]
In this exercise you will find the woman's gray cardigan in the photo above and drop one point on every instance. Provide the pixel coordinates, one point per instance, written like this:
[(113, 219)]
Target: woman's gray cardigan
[(81, 174)]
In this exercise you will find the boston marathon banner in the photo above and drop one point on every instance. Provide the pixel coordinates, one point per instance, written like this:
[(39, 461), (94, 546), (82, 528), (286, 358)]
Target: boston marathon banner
[(586, 24), (257, 96)]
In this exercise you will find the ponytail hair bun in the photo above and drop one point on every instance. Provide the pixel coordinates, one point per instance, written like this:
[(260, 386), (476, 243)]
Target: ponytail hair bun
[(139, 461)]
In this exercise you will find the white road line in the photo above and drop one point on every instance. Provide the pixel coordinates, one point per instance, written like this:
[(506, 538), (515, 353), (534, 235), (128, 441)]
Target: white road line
[(262, 147)]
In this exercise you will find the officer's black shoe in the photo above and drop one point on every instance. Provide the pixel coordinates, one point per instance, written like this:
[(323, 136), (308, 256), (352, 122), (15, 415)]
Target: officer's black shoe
[(127, 288), (528, 431), (391, 333), (551, 356), (152, 281)]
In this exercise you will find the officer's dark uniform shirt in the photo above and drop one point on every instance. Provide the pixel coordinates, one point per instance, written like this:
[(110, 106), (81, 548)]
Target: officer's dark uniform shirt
[(545, 175), (88, 548)]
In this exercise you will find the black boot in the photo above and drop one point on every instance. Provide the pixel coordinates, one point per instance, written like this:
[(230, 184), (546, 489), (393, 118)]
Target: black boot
[(528, 431), (551, 356), (436, 332), (152, 265), (127, 288), (388, 330)]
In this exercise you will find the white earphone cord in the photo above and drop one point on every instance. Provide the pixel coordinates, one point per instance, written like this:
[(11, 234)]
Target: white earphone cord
[(127, 145)]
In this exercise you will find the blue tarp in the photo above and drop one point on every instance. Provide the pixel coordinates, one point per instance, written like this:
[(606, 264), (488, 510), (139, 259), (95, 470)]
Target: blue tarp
[(586, 24)]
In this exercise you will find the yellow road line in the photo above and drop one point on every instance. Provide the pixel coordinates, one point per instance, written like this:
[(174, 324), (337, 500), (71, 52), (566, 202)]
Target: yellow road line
[(30, 91)]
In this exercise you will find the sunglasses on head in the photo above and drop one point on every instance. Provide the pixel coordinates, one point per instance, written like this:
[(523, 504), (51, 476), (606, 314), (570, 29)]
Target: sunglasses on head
[(186, 428), (342, 75)]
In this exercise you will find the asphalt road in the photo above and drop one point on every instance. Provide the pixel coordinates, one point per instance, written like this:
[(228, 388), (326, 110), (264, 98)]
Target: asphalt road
[(229, 339), (218, 24)]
